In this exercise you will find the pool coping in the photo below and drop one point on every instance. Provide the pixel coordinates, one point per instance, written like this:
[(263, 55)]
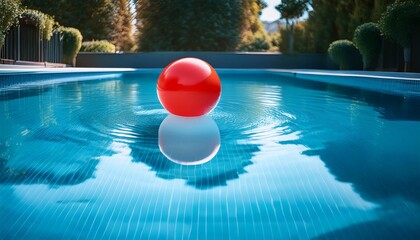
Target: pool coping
[(39, 70), (407, 84)]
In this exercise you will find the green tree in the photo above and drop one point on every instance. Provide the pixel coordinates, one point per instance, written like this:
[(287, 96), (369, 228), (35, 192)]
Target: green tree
[(328, 21), (331, 20), (94, 18), (254, 36), (399, 22), (379, 7), (50, 7), (10, 10), (291, 11), (122, 35), (302, 42), (367, 11), (189, 25)]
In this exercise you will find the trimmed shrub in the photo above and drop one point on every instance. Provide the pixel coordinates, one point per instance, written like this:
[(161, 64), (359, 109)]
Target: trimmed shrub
[(10, 10), (41, 20), (254, 43), (400, 20), (72, 41), (367, 38), (98, 46), (345, 54)]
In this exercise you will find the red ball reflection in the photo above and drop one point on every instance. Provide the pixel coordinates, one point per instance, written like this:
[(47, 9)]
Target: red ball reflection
[(189, 87)]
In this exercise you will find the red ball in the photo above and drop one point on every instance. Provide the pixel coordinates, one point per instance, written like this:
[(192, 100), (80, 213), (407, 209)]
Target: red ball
[(189, 87)]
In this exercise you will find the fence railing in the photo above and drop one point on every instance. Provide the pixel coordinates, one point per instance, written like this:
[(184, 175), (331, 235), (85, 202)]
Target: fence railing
[(26, 43)]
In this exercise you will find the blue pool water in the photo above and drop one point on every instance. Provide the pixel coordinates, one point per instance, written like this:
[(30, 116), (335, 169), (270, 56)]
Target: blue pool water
[(94, 157)]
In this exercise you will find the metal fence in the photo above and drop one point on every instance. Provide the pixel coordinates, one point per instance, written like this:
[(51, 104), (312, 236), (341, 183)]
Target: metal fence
[(26, 43)]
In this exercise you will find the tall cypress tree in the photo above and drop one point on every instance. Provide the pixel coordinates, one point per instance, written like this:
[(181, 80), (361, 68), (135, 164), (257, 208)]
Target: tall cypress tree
[(122, 36), (254, 37)]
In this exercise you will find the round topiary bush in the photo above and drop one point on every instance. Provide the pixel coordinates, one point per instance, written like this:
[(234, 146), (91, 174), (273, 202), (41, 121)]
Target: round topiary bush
[(102, 46), (400, 20), (367, 38), (72, 41), (345, 54)]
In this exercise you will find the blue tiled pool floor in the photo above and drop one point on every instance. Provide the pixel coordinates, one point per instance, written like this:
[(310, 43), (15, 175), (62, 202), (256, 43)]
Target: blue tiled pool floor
[(82, 157)]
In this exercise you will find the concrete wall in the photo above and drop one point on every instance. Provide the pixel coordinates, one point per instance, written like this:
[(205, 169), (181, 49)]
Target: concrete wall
[(216, 59)]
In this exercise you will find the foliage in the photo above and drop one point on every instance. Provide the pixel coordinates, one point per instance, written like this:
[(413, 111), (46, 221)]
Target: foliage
[(9, 9), (321, 25), (254, 36), (291, 10), (50, 7), (379, 7), (251, 11), (367, 38), (102, 46), (255, 43), (302, 41), (41, 20), (400, 20), (72, 41), (367, 11), (275, 41), (331, 20), (345, 54), (94, 18), (189, 25), (123, 28)]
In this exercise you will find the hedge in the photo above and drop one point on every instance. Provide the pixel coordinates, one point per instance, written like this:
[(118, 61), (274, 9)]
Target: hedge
[(98, 46)]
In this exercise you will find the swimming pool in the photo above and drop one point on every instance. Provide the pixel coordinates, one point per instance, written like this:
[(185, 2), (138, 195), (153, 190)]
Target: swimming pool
[(95, 156)]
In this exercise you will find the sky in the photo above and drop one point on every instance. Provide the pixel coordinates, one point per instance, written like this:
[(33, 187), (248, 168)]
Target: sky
[(270, 13)]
